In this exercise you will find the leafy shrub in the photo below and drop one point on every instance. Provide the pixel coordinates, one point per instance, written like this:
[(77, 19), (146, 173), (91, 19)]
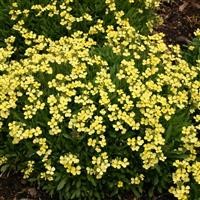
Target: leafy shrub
[(93, 105)]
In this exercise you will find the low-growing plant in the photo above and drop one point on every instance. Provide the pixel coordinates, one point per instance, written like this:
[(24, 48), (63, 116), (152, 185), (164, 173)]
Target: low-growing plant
[(95, 106)]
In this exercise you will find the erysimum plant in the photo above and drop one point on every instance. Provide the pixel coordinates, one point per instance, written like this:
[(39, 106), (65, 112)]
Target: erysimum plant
[(93, 105)]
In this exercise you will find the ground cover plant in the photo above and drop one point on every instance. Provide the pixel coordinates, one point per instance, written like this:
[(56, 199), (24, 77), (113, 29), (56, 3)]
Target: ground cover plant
[(93, 104)]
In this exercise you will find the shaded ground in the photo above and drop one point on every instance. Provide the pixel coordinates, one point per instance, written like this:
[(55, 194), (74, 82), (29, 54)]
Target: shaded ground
[(181, 19), (15, 188)]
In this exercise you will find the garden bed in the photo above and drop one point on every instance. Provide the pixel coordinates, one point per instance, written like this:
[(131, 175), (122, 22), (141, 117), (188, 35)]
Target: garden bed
[(181, 19)]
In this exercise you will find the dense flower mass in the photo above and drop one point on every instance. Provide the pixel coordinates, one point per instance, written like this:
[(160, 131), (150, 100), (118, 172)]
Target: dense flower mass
[(96, 110)]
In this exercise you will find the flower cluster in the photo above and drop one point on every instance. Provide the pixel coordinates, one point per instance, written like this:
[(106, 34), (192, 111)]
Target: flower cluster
[(3, 160), (120, 184), (181, 193), (197, 33), (49, 172), (30, 167), (135, 143), (118, 163), (70, 163), (195, 169), (18, 133), (100, 167), (137, 180)]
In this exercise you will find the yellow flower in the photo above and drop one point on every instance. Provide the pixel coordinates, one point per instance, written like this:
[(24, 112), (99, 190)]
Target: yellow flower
[(120, 184), (3, 160), (70, 162)]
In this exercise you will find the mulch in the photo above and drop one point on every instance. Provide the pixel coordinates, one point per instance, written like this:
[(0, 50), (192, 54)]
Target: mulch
[(180, 19)]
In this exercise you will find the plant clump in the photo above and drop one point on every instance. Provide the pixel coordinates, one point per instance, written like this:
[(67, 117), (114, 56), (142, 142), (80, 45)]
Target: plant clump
[(103, 106)]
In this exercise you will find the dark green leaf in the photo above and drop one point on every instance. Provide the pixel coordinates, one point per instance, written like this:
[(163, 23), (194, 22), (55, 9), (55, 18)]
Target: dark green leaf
[(62, 184)]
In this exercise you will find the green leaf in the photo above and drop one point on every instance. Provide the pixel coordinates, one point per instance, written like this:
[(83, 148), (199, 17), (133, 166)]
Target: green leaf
[(73, 195), (67, 136), (180, 119), (135, 191), (155, 180), (140, 189), (114, 193), (78, 193), (92, 180), (4, 168), (150, 192), (97, 195), (159, 189), (62, 184), (157, 168), (78, 184)]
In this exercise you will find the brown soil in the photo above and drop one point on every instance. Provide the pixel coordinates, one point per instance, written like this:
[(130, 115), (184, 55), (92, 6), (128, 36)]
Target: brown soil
[(13, 187), (181, 19)]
